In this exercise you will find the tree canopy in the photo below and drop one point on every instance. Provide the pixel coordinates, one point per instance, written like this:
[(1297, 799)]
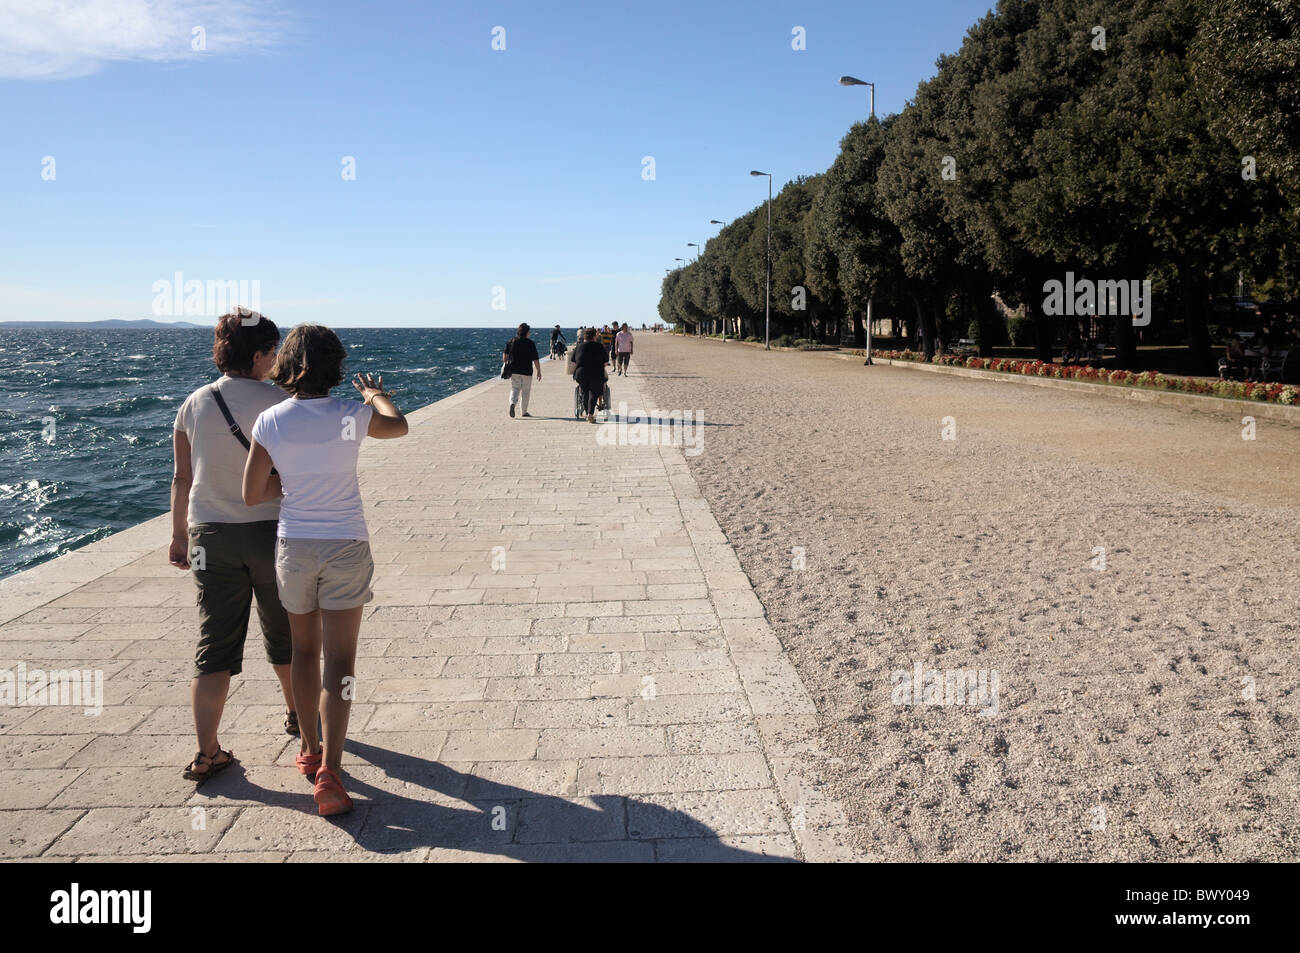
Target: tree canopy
[(1157, 140)]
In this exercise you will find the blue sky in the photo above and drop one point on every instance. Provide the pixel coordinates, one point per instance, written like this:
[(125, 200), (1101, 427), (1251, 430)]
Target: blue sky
[(476, 169)]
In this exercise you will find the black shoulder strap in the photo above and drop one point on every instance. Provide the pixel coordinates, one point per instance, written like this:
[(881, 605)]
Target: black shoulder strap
[(230, 419)]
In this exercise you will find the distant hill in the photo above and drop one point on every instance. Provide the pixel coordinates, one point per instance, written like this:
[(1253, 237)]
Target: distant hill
[(110, 323)]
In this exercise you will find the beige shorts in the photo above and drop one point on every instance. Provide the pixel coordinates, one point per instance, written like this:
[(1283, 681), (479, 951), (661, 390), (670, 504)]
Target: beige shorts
[(323, 573)]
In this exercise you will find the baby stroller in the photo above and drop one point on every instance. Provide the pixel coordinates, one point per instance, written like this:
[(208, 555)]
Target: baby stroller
[(602, 402)]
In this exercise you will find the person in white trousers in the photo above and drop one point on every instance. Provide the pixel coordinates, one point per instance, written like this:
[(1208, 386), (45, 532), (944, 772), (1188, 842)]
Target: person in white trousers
[(521, 355)]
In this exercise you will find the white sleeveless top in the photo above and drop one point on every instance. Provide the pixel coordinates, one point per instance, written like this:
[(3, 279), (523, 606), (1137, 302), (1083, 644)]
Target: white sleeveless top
[(314, 443)]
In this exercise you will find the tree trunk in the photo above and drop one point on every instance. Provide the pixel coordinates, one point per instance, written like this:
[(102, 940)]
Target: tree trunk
[(1044, 324), (927, 329), (986, 317), (1196, 307), (1125, 342)]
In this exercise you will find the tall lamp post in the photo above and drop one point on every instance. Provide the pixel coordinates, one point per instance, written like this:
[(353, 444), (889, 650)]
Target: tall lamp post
[(850, 81), (767, 301)]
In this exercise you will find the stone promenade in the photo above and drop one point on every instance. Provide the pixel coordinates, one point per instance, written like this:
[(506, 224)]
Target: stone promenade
[(563, 662)]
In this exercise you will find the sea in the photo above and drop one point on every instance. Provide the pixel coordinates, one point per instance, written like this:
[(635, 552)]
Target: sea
[(86, 416)]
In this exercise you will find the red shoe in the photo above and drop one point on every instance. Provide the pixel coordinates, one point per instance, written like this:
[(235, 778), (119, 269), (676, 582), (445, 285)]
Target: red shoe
[(309, 764), (330, 797)]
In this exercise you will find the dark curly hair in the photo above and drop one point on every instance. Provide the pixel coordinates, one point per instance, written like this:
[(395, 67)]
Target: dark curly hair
[(310, 362), (239, 336)]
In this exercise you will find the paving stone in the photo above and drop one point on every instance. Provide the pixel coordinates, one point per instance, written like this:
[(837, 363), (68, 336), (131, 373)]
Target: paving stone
[(705, 814), (568, 820), (291, 829), (680, 773), (40, 751), (578, 663), (687, 709), (497, 744), (35, 787), (118, 831), (614, 741), (27, 833), (742, 848)]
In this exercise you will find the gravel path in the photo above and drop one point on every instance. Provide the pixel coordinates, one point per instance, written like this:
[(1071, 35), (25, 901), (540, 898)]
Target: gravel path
[(1126, 573)]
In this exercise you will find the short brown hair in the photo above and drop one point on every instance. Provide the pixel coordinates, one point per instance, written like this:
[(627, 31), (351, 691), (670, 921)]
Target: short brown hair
[(310, 361), (592, 334), (239, 337)]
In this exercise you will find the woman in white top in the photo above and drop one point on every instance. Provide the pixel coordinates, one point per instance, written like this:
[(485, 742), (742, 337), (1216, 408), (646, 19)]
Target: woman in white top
[(230, 547), (323, 563)]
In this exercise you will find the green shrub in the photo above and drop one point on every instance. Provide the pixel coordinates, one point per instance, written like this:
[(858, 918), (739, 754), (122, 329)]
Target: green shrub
[(1021, 329)]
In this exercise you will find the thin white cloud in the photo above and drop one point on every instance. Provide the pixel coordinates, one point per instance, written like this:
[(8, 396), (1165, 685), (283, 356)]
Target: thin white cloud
[(63, 39)]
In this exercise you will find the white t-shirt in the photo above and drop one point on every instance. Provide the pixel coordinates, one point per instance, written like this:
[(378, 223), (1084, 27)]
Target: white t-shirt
[(623, 342), (216, 455), (314, 443)]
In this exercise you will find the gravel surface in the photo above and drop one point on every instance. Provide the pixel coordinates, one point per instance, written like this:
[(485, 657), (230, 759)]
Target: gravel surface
[(1126, 573)]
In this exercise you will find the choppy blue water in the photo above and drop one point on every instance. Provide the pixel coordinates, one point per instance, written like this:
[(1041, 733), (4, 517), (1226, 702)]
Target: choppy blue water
[(86, 417)]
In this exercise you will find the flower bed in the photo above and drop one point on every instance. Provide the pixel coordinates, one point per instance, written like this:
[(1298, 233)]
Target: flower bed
[(1275, 393)]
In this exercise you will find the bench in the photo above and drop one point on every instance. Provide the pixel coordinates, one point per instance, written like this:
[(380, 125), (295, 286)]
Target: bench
[(1274, 366)]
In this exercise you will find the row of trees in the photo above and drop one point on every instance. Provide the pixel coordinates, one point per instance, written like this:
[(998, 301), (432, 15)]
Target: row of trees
[(1156, 139)]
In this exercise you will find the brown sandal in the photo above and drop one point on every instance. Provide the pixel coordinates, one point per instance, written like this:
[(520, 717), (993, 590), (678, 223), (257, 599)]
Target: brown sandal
[(210, 761)]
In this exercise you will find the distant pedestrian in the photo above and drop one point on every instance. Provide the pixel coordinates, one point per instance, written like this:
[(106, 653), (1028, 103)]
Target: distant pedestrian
[(229, 546), (323, 566), (589, 359), (607, 339), (521, 355), (623, 349)]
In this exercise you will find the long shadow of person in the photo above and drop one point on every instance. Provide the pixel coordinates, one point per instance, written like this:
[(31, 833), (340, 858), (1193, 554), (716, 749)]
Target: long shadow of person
[(461, 811)]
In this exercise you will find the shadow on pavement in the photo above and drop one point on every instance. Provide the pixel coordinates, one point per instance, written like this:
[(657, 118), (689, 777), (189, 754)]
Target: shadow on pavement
[(474, 814)]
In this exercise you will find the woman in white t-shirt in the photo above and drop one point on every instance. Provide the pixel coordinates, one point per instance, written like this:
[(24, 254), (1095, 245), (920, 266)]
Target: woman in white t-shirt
[(323, 563), (230, 547)]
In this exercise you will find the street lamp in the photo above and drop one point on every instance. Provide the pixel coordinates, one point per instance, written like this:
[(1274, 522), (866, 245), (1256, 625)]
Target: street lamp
[(714, 221), (767, 302), (697, 249), (850, 81)]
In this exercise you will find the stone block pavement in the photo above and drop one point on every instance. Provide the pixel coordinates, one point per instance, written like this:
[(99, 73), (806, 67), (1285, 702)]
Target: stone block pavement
[(563, 662)]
